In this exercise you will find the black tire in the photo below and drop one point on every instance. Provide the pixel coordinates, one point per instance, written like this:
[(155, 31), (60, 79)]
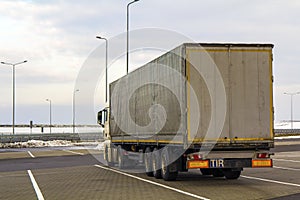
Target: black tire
[(148, 162), (169, 170), (218, 173), (156, 163), (121, 158), (206, 172), (229, 174)]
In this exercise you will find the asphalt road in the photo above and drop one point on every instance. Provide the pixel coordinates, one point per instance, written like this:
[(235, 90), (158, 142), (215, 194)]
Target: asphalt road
[(76, 174)]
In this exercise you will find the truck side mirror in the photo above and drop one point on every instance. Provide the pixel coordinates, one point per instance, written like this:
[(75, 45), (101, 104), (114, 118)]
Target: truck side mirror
[(100, 118)]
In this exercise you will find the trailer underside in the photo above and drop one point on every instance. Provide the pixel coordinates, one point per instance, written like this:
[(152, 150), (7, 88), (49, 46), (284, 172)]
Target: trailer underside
[(167, 160)]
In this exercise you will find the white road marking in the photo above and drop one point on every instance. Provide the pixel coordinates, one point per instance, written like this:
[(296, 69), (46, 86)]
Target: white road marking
[(154, 183), (35, 186), (74, 152), (286, 168), (296, 161), (271, 181), (32, 156)]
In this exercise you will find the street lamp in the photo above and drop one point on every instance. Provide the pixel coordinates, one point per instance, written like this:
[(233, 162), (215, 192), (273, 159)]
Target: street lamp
[(13, 65), (74, 109), (50, 113), (127, 46), (292, 94), (106, 47)]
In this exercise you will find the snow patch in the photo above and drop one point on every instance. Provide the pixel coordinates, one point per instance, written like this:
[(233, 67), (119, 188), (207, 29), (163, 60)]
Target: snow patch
[(37, 143), (100, 146), (288, 137)]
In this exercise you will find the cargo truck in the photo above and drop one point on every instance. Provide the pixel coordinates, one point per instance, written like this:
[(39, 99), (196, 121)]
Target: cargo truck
[(206, 106)]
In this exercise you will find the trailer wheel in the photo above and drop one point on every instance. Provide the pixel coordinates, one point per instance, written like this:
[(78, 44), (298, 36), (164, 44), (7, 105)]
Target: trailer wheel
[(148, 162), (121, 158), (168, 170), (230, 174), (156, 163), (217, 173)]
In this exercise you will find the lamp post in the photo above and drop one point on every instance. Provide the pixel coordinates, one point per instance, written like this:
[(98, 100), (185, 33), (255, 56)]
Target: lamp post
[(74, 109), (292, 94), (106, 52), (14, 89), (127, 46), (50, 113)]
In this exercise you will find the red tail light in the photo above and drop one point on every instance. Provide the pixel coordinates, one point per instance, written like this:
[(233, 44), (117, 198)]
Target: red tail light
[(194, 156), (263, 155)]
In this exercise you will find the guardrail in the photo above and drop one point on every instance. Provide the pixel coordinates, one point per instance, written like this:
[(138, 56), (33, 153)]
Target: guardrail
[(53, 136), (286, 132)]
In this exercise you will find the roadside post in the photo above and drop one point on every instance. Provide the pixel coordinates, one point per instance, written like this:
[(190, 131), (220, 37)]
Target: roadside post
[(30, 125)]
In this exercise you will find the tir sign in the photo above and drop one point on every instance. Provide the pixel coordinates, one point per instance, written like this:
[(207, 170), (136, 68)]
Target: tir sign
[(217, 163)]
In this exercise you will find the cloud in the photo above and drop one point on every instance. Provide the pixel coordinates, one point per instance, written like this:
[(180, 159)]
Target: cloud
[(56, 36)]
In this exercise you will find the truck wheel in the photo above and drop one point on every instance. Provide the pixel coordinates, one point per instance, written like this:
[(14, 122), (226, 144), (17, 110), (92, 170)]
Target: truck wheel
[(206, 172), (229, 174), (217, 173), (156, 163), (121, 158), (169, 170), (148, 162)]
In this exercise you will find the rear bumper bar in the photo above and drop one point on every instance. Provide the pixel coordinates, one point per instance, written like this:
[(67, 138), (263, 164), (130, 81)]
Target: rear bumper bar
[(230, 163)]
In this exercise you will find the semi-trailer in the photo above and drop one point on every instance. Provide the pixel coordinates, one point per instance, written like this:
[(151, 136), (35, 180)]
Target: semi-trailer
[(206, 106)]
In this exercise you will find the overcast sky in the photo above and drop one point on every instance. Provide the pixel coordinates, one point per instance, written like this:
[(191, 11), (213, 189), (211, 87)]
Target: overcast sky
[(57, 36)]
